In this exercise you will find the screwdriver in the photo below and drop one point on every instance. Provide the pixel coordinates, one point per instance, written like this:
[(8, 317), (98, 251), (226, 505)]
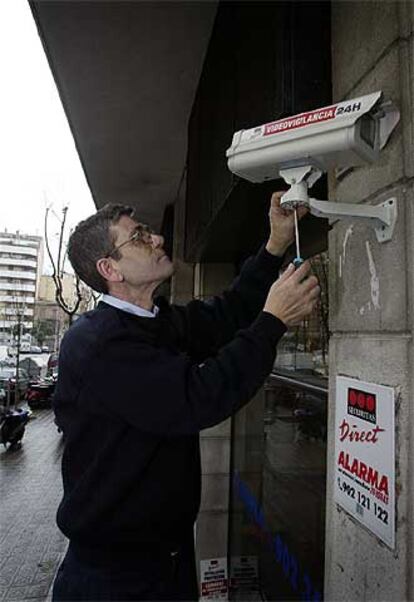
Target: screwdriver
[(297, 262)]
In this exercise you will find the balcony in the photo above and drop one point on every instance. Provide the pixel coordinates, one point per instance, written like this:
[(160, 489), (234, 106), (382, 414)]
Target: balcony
[(19, 300), (9, 324), (19, 241), (12, 312), (15, 274), (13, 286), (18, 250), (13, 261)]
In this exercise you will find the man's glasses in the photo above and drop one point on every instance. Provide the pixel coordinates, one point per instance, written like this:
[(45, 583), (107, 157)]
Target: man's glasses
[(142, 235)]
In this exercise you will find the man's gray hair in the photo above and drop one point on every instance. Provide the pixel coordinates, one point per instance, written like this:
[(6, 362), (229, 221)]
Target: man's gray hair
[(93, 239)]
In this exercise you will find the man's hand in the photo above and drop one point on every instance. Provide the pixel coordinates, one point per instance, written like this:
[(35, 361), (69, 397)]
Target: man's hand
[(294, 295), (282, 225)]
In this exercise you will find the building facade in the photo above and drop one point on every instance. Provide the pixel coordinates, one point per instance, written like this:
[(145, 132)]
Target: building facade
[(21, 260), (271, 513)]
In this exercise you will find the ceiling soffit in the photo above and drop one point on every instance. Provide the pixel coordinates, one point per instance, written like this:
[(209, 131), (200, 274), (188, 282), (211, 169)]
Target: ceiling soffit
[(127, 73)]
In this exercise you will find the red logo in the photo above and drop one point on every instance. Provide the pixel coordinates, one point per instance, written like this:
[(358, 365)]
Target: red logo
[(362, 405)]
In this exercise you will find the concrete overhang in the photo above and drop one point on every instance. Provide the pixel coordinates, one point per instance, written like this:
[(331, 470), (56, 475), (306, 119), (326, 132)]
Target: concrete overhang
[(127, 73)]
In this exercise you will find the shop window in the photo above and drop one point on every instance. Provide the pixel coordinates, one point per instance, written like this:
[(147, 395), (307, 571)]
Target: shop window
[(277, 509)]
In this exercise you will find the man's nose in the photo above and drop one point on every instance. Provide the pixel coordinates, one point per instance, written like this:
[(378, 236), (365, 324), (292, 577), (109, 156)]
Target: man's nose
[(157, 240)]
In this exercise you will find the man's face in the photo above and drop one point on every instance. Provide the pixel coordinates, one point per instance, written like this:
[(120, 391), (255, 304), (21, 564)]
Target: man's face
[(142, 262)]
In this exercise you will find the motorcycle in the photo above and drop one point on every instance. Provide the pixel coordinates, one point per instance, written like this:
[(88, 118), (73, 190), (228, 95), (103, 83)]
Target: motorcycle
[(12, 426)]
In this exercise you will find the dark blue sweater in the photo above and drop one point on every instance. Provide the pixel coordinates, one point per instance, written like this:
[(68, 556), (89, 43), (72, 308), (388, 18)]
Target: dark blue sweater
[(133, 394)]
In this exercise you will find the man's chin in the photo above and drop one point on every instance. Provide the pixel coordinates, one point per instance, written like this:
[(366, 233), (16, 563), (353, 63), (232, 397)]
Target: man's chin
[(168, 266)]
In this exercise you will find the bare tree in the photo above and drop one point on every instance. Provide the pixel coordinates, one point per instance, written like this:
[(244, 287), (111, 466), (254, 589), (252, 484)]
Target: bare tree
[(69, 306), (90, 297)]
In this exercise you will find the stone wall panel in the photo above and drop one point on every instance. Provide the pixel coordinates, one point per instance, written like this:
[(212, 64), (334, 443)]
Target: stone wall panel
[(373, 26), (368, 287), (382, 360), (362, 182)]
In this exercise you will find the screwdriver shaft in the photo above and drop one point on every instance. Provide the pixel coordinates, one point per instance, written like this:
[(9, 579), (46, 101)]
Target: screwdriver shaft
[(297, 235)]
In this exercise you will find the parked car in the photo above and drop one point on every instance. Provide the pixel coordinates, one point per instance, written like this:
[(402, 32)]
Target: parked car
[(45, 349), (8, 384), (40, 393), (35, 349)]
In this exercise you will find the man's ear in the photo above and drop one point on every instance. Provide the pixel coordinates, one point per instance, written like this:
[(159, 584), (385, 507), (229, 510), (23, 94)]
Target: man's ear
[(108, 271)]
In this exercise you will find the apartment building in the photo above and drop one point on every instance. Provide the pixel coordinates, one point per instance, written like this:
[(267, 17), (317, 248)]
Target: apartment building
[(21, 258)]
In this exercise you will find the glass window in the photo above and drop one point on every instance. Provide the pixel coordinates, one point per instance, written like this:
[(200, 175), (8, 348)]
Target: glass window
[(277, 508)]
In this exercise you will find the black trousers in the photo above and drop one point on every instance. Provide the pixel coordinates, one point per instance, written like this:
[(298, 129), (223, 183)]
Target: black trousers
[(145, 576)]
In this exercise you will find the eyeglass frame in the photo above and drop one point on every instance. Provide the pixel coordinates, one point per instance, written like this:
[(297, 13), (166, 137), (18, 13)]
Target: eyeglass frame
[(137, 236)]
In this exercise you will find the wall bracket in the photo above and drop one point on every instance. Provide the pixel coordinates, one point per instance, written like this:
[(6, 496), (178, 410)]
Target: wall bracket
[(381, 217)]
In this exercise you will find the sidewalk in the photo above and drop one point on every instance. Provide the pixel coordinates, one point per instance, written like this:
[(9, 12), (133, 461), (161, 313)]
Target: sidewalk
[(31, 544)]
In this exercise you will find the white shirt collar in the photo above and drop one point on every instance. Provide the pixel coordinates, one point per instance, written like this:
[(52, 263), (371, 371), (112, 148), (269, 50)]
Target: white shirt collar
[(130, 307)]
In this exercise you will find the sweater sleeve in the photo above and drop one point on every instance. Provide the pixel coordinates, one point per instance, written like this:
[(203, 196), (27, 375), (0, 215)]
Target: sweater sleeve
[(164, 392), (208, 325)]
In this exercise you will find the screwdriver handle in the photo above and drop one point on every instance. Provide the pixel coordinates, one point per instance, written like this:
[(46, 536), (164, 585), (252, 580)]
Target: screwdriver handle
[(297, 262)]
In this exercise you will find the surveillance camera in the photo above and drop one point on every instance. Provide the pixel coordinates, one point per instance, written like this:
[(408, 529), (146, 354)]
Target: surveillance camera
[(348, 133), (300, 148)]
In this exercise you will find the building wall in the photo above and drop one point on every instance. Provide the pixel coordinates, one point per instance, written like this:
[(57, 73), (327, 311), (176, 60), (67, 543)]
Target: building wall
[(182, 282), (215, 443), (47, 288), (265, 60), (372, 49), (21, 259), (200, 281)]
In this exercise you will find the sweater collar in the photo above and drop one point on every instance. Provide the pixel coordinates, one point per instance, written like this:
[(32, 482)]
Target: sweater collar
[(130, 307)]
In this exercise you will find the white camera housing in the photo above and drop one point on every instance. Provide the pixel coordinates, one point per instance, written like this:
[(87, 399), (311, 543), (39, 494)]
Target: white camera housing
[(300, 148), (348, 133)]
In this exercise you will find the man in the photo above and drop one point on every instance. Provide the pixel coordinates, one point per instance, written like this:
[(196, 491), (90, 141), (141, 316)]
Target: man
[(138, 380)]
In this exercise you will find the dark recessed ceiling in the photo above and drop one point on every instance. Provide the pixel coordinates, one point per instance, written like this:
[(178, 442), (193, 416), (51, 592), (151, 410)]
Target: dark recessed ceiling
[(127, 73)]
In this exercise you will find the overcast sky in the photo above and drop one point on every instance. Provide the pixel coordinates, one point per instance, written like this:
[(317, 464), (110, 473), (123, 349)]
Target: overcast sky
[(39, 163)]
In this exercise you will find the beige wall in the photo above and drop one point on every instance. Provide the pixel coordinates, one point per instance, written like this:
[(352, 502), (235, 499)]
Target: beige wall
[(372, 45), (47, 288)]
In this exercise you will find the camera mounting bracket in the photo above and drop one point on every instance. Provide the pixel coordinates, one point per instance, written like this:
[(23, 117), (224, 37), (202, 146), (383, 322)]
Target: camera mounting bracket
[(382, 217)]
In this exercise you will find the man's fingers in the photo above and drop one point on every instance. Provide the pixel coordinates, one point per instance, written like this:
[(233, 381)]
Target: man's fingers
[(302, 271), (314, 293), (310, 283), (287, 273), (275, 203), (275, 200), (301, 211)]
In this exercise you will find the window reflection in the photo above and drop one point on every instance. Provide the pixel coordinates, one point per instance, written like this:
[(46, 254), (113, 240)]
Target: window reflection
[(277, 522)]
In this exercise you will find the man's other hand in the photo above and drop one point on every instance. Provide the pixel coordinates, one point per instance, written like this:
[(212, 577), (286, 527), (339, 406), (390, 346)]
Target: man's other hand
[(294, 295), (282, 225)]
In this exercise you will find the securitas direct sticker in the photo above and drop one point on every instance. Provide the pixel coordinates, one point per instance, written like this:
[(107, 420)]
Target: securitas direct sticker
[(365, 454)]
